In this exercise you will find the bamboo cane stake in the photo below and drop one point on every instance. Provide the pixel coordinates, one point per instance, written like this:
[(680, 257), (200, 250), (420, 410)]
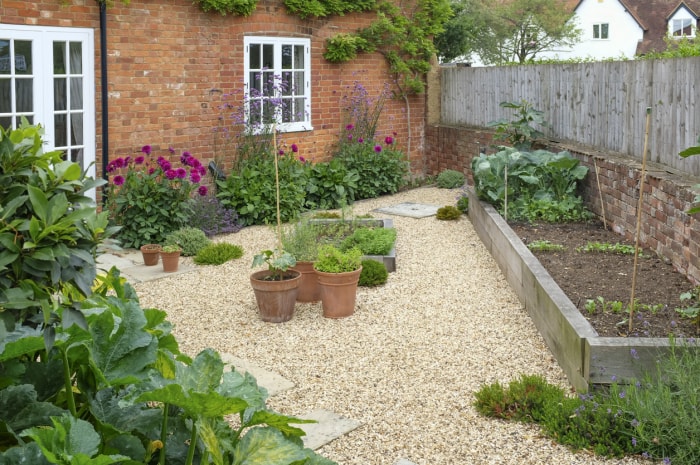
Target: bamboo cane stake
[(277, 185), (639, 219), (505, 194), (600, 193)]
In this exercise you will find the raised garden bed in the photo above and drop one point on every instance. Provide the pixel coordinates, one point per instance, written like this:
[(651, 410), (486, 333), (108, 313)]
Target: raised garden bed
[(388, 260), (585, 357)]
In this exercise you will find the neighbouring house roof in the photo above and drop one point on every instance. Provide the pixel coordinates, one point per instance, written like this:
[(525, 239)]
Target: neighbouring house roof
[(652, 16)]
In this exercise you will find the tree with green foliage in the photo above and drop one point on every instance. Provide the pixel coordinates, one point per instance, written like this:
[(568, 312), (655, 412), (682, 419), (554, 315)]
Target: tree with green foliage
[(676, 48), (513, 31)]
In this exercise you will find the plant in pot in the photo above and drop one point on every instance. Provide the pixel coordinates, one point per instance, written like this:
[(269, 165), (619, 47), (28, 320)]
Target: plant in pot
[(170, 257), (277, 287), (338, 275), (301, 240), (150, 254)]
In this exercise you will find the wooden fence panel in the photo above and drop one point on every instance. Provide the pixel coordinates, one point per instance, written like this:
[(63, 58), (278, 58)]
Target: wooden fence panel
[(602, 105)]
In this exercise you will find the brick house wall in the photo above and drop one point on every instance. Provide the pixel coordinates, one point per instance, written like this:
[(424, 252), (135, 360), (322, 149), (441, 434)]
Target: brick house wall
[(666, 228), (169, 64)]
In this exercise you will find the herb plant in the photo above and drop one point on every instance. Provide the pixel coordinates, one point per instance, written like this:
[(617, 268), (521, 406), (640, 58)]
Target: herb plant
[(209, 215), (544, 246), (150, 198), (218, 254), (371, 241), (450, 179), (191, 240), (600, 247), (691, 309), (277, 262), (448, 213), (373, 274), (333, 260)]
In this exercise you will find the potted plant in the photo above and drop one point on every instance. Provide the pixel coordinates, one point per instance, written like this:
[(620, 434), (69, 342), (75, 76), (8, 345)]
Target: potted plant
[(338, 274), (301, 240), (275, 288), (170, 256), (150, 254)]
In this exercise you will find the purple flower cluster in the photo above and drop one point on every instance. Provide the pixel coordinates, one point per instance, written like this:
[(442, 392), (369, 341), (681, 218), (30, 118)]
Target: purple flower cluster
[(162, 170)]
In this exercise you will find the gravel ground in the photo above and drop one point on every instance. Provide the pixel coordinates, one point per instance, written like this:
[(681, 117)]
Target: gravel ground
[(405, 365)]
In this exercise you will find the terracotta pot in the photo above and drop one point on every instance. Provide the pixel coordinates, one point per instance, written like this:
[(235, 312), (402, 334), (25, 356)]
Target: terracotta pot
[(338, 292), (171, 261), (150, 254), (276, 299), (309, 290)]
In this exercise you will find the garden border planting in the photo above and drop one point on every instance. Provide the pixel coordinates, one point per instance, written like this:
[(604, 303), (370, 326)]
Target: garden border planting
[(585, 357)]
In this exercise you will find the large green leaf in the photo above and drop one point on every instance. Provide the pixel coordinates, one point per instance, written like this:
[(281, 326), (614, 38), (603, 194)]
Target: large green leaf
[(205, 404), (24, 340), (121, 350), (110, 408), (267, 446), (28, 453), (690, 151), (21, 409), (40, 203)]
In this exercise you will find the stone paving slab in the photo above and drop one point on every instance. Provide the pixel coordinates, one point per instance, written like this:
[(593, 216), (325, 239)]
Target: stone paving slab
[(330, 426), (132, 268), (273, 382), (410, 209)]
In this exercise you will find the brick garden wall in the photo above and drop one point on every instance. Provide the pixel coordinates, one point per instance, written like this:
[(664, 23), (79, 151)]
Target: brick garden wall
[(665, 227), (169, 64)]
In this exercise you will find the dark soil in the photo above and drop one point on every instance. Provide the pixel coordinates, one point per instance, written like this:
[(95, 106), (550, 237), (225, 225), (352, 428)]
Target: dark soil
[(590, 275)]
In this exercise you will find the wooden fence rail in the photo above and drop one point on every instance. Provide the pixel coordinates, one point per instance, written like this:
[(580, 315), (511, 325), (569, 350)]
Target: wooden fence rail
[(602, 105)]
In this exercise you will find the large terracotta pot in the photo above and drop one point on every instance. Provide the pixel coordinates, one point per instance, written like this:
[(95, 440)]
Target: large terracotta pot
[(338, 292), (276, 299), (309, 290), (150, 254)]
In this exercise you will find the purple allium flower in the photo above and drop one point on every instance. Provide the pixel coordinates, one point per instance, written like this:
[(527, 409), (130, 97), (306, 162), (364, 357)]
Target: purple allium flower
[(170, 174), (165, 165), (151, 170), (118, 180), (360, 140), (202, 170), (181, 173), (127, 160), (302, 159), (195, 177), (388, 140), (119, 162), (146, 149), (377, 148), (280, 152), (195, 163), (202, 190), (349, 127), (171, 149), (349, 136), (139, 160), (111, 166), (295, 149)]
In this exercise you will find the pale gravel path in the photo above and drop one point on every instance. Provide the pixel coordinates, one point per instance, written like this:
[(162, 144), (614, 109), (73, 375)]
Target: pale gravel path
[(405, 365)]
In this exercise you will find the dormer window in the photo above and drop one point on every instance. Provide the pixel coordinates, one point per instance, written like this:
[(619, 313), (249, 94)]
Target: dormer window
[(682, 28)]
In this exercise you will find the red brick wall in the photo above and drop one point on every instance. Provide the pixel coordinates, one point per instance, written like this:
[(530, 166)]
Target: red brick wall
[(665, 227), (169, 62)]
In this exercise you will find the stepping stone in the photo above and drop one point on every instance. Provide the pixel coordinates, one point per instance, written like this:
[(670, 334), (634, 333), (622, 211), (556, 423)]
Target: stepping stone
[(404, 462), (273, 382), (330, 426), (410, 209)]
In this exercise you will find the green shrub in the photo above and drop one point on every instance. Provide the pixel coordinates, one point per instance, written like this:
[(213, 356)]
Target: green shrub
[(541, 185), (372, 241), (301, 240), (217, 254), (191, 240), (250, 189), (381, 170), (330, 185), (448, 212), (373, 273), (449, 179)]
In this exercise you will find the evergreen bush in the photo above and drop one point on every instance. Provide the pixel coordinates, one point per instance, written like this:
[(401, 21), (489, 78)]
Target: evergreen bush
[(373, 273), (449, 179), (190, 240)]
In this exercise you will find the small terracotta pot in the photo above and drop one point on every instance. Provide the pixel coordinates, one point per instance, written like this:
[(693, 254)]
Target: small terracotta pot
[(309, 290), (338, 292), (150, 254), (275, 299), (171, 261)]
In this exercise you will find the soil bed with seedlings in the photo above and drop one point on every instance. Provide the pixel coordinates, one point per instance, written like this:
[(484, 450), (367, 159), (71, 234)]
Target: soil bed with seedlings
[(599, 282)]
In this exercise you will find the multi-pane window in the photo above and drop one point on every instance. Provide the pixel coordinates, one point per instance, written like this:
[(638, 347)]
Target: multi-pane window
[(47, 77), (600, 31), (682, 27), (277, 82)]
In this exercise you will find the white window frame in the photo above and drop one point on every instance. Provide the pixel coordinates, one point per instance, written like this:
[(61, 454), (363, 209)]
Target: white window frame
[(43, 38), (600, 31), (679, 24), (302, 90)]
